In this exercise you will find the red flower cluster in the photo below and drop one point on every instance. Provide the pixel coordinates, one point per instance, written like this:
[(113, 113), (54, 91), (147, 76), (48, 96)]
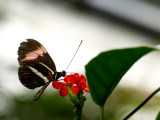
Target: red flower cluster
[(74, 81)]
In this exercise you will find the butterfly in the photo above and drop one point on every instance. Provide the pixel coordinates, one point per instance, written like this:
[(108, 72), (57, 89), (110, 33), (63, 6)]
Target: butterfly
[(36, 66)]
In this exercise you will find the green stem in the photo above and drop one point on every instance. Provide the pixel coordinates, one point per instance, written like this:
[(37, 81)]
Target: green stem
[(78, 101), (144, 102), (102, 113), (73, 97), (77, 110)]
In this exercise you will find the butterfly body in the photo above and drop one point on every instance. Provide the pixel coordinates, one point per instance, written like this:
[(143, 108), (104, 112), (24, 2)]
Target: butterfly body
[(36, 66)]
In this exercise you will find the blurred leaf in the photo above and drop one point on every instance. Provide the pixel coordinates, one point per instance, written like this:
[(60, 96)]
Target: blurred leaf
[(48, 107), (53, 107), (158, 116), (105, 70)]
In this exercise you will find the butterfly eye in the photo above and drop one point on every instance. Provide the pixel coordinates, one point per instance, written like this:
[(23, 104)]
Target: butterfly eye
[(63, 74)]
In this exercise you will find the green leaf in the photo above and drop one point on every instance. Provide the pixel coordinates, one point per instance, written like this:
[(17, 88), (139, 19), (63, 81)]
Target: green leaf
[(158, 116), (105, 70)]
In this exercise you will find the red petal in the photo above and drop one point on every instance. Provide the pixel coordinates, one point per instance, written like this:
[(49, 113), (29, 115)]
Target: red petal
[(82, 82), (87, 89), (82, 78), (58, 85), (69, 79), (75, 89), (63, 92), (76, 75), (81, 85)]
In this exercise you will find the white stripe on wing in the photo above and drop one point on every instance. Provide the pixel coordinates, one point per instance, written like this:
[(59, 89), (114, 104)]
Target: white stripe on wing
[(39, 74)]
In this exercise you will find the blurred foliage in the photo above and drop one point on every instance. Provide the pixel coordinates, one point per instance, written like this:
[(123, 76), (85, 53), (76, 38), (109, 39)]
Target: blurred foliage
[(48, 107), (124, 100), (158, 116), (53, 107)]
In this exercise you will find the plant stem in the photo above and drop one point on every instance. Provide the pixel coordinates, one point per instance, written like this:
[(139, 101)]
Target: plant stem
[(102, 113), (144, 102), (77, 110), (78, 101), (73, 97)]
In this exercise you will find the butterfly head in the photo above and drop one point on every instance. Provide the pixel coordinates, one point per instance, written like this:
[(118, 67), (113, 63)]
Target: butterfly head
[(63, 73)]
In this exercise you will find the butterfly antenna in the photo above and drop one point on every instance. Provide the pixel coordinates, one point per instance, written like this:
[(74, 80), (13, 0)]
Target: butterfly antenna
[(74, 54)]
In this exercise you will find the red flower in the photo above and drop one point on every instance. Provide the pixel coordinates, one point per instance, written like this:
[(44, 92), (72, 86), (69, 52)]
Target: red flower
[(74, 81), (81, 82)]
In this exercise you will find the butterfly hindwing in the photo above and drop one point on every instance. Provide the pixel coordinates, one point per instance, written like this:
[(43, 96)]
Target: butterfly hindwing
[(35, 64), (28, 78)]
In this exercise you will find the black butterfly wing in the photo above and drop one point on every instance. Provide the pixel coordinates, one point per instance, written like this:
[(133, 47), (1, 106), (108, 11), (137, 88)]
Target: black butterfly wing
[(35, 64)]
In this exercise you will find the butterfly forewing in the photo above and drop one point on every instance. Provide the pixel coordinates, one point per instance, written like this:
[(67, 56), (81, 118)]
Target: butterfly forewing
[(35, 64)]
